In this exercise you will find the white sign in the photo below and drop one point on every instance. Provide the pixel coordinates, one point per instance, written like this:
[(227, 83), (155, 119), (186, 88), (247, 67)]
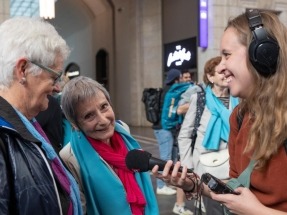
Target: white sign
[(178, 56)]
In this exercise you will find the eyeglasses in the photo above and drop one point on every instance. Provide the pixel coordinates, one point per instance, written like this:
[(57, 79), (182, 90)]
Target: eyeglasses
[(58, 74)]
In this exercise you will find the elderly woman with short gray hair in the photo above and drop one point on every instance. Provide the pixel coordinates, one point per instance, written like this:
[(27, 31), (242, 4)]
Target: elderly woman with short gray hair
[(96, 154)]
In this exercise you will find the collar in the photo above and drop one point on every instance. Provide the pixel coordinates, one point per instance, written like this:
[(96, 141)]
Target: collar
[(8, 113)]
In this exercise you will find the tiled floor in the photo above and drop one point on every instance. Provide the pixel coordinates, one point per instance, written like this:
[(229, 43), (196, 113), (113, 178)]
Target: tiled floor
[(145, 137)]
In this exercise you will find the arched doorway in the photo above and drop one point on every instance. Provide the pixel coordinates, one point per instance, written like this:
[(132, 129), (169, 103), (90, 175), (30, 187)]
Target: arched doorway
[(102, 75)]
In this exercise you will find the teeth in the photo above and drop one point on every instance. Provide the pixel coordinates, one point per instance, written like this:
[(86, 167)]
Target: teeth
[(229, 79)]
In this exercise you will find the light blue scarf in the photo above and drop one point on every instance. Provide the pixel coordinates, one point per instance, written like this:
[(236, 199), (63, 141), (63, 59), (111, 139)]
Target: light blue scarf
[(104, 192), (53, 157), (218, 126)]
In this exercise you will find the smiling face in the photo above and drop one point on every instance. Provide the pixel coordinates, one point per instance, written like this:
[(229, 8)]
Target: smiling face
[(37, 93), (95, 117), (29, 92), (218, 78), (234, 56)]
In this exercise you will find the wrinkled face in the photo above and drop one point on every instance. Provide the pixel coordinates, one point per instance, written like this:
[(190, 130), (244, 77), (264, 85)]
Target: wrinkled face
[(234, 56), (37, 88), (96, 118), (218, 79)]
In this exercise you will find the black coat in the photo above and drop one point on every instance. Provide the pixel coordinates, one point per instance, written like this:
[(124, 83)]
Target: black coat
[(51, 121), (26, 185)]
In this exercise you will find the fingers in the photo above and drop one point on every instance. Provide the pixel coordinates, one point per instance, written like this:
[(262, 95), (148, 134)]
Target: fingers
[(164, 175), (155, 172), (174, 172), (167, 168), (239, 189)]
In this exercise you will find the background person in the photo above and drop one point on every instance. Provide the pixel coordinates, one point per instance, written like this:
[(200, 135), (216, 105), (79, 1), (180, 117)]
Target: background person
[(261, 136), (168, 148), (217, 109), (96, 154), (164, 137), (185, 76), (179, 206), (51, 121), (33, 179)]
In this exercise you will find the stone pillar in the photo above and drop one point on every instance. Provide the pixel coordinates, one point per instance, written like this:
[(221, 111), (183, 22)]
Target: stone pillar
[(4, 10)]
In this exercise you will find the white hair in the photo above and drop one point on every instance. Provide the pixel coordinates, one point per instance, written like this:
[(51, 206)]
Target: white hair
[(31, 38)]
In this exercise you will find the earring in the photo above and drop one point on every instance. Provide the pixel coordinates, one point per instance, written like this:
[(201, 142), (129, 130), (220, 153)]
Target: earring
[(22, 81)]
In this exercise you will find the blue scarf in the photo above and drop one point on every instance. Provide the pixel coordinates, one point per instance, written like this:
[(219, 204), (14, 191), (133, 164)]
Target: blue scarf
[(218, 126), (55, 163), (104, 192)]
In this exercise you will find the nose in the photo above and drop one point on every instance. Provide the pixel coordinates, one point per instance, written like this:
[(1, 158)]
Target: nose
[(57, 88), (222, 67)]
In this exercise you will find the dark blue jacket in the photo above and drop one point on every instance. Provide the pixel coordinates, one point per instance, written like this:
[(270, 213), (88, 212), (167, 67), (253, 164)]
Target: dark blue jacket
[(26, 185)]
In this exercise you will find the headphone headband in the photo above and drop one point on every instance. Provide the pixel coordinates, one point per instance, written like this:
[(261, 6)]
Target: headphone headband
[(254, 19)]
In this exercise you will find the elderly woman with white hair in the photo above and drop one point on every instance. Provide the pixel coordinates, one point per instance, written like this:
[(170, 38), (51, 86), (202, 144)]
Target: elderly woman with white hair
[(33, 179)]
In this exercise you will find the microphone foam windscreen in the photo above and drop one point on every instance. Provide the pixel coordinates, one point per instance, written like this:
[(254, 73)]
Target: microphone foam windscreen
[(138, 160)]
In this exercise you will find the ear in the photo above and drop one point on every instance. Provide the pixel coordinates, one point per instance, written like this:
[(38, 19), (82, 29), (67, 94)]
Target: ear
[(20, 68), (210, 78)]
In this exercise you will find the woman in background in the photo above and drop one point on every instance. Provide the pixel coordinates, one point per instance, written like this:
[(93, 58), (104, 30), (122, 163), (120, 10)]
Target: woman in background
[(213, 130)]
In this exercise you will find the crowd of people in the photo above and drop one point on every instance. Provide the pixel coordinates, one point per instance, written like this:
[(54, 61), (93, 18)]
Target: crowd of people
[(239, 136)]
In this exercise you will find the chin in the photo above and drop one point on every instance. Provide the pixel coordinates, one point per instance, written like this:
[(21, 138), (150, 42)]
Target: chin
[(103, 136), (234, 92), (44, 107)]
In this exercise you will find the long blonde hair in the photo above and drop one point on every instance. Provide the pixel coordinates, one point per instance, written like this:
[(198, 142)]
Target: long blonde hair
[(267, 103)]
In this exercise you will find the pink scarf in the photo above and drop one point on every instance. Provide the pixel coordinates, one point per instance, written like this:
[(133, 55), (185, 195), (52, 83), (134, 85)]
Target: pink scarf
[(115, 155)]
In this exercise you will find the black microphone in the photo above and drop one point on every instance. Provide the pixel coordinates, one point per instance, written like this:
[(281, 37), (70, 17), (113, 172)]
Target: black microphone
[(142, 161)]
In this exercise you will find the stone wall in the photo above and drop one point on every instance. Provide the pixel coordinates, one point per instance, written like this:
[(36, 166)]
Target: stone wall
[(4, 10), (219, 13)]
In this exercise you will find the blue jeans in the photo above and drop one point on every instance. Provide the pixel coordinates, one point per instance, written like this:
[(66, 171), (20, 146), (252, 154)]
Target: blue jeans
[(165, 143)]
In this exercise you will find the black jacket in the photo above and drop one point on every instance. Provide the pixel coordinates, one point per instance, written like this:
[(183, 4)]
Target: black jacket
[(26, 186), (51, 121)]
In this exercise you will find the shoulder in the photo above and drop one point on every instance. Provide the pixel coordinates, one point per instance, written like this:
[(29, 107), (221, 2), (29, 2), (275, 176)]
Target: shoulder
[(124, 125), (66, 152), (234, 114)]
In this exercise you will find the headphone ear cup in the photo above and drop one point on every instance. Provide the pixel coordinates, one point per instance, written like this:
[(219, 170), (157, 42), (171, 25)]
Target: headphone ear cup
[(264, 55), (263, 49)]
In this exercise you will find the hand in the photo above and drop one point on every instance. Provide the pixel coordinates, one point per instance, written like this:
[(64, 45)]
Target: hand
[(174, 177), (244, 203)]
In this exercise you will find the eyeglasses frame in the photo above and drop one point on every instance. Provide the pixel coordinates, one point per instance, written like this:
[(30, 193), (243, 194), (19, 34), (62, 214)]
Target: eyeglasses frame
[(58, 74)]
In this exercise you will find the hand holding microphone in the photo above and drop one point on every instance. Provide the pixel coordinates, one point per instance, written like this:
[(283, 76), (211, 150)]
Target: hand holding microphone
[(142, 161)]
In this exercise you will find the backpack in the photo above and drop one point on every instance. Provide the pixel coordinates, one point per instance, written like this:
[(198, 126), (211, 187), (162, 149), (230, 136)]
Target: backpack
[(169, 118), (200, 104), (151, 99)]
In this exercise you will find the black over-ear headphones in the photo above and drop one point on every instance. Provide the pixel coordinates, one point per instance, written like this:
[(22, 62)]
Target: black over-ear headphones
[(263, 49)]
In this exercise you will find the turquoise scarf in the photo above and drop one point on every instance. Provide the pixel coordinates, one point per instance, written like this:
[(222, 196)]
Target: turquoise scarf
[(56, 166), (103, 189), (218, 125)]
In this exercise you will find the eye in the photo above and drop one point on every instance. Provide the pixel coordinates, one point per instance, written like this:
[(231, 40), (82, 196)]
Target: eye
[(226, 55), (89, 116), (105, 106), (56, 79)]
